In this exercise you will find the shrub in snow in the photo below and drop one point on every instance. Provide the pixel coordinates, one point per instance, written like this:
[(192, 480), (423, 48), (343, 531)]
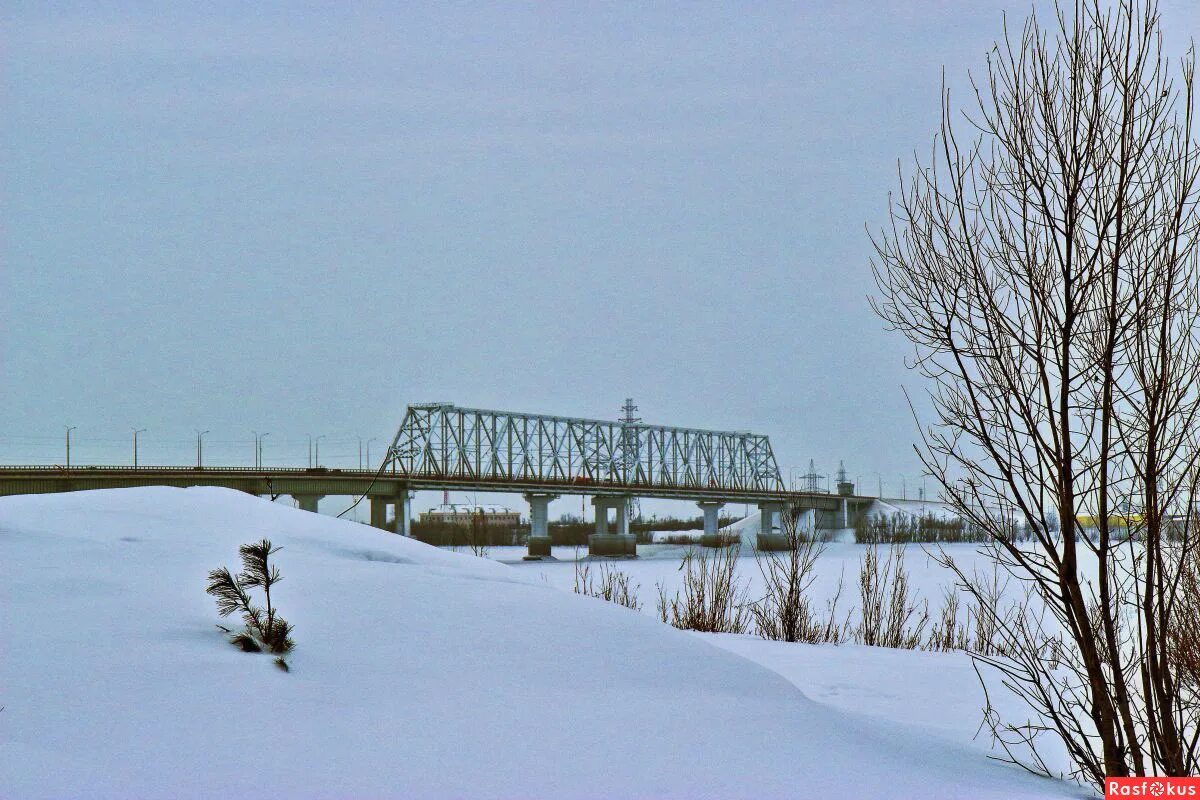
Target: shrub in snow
[(890, 616), (785, 612), (948, 632), (613, 585), (713, 599), (264, 628)]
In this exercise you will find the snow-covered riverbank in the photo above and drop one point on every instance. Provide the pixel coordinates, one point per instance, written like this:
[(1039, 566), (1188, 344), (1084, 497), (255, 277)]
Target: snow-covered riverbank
[(423, 673)]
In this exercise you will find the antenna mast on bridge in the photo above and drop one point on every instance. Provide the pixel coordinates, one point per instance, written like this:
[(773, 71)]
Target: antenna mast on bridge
[(812, 480), (629, 441)]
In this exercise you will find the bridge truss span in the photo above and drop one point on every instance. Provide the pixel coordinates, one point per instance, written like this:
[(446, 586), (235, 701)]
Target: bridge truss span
[(442, 441)]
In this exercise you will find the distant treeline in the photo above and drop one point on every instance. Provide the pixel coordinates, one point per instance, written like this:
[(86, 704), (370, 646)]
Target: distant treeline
[(901, 528), (477, 534)]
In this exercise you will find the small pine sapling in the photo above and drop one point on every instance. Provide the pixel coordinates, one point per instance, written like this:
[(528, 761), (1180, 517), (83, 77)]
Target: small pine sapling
[(264, 628)]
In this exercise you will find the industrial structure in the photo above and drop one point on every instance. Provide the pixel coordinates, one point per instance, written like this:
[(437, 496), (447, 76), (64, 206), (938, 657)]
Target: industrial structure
[(628, 419), (443, 446), (467, 516)]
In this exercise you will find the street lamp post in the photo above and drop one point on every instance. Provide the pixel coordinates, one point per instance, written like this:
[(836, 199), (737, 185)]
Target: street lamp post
[(317, 452), (200, 448), (258, 448), (369, 450), (69, 429), (136, 431)]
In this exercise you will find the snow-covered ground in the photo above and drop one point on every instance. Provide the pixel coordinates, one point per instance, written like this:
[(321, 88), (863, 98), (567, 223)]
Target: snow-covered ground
[(658, 564), (424, 673)]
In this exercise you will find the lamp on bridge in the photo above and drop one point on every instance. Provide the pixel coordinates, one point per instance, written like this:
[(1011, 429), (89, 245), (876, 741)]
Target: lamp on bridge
[(258, 459), (200, 448), (136, 431), (69, 429)]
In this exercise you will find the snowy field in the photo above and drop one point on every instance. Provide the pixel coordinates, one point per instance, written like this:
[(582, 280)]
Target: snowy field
[(421, 673)]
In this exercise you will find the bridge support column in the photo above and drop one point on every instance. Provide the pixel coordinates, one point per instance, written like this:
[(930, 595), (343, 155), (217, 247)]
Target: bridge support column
[(712, 536), (539, 525), (769, 537), (601, 505), (622, 505), (379, 512), (603, 543), (308, 502), (404, 513)]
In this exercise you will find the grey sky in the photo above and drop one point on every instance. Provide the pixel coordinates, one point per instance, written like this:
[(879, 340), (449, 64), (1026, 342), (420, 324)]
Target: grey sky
[(299, 219)]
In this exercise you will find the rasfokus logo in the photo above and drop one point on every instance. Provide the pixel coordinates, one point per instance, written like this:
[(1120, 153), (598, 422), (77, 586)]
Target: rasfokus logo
[(1151, 787)]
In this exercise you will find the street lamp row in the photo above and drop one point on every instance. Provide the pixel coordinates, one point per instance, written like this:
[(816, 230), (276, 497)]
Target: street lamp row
[(314, 448)]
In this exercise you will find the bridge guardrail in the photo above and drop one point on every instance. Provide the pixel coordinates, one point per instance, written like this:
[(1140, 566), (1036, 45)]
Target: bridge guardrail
[(500, 484)]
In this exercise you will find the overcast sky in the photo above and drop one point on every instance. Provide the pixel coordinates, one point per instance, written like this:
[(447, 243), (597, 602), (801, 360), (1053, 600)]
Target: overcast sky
[(300, 219)]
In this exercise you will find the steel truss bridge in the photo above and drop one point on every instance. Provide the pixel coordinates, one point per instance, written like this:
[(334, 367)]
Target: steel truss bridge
[(443, 446), (474, 448)]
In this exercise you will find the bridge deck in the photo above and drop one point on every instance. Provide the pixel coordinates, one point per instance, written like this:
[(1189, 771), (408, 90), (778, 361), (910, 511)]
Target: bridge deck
[(34, 479)]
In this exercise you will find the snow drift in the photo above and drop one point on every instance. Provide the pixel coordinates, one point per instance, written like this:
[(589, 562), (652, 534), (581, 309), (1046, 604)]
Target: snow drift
[(417, 673)]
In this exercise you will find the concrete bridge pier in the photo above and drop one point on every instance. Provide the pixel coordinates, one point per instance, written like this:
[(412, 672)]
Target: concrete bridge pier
[(770, 537), (622, 506), (603, 543), (379, 512), (806, 521), (600, 506), (711, 509), (404, 513), (308, 502), (539, 525)]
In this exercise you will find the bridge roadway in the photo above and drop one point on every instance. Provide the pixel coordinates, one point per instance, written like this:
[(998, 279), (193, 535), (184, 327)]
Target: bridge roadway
[(385, 488)]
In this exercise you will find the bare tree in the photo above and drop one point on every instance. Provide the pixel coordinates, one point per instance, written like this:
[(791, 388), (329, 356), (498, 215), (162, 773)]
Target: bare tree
[(480, 534), (1043, 263), (785, 611)]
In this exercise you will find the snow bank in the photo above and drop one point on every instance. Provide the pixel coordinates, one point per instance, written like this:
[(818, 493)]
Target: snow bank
[(418, 673), (693, 535), (748, 528)]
